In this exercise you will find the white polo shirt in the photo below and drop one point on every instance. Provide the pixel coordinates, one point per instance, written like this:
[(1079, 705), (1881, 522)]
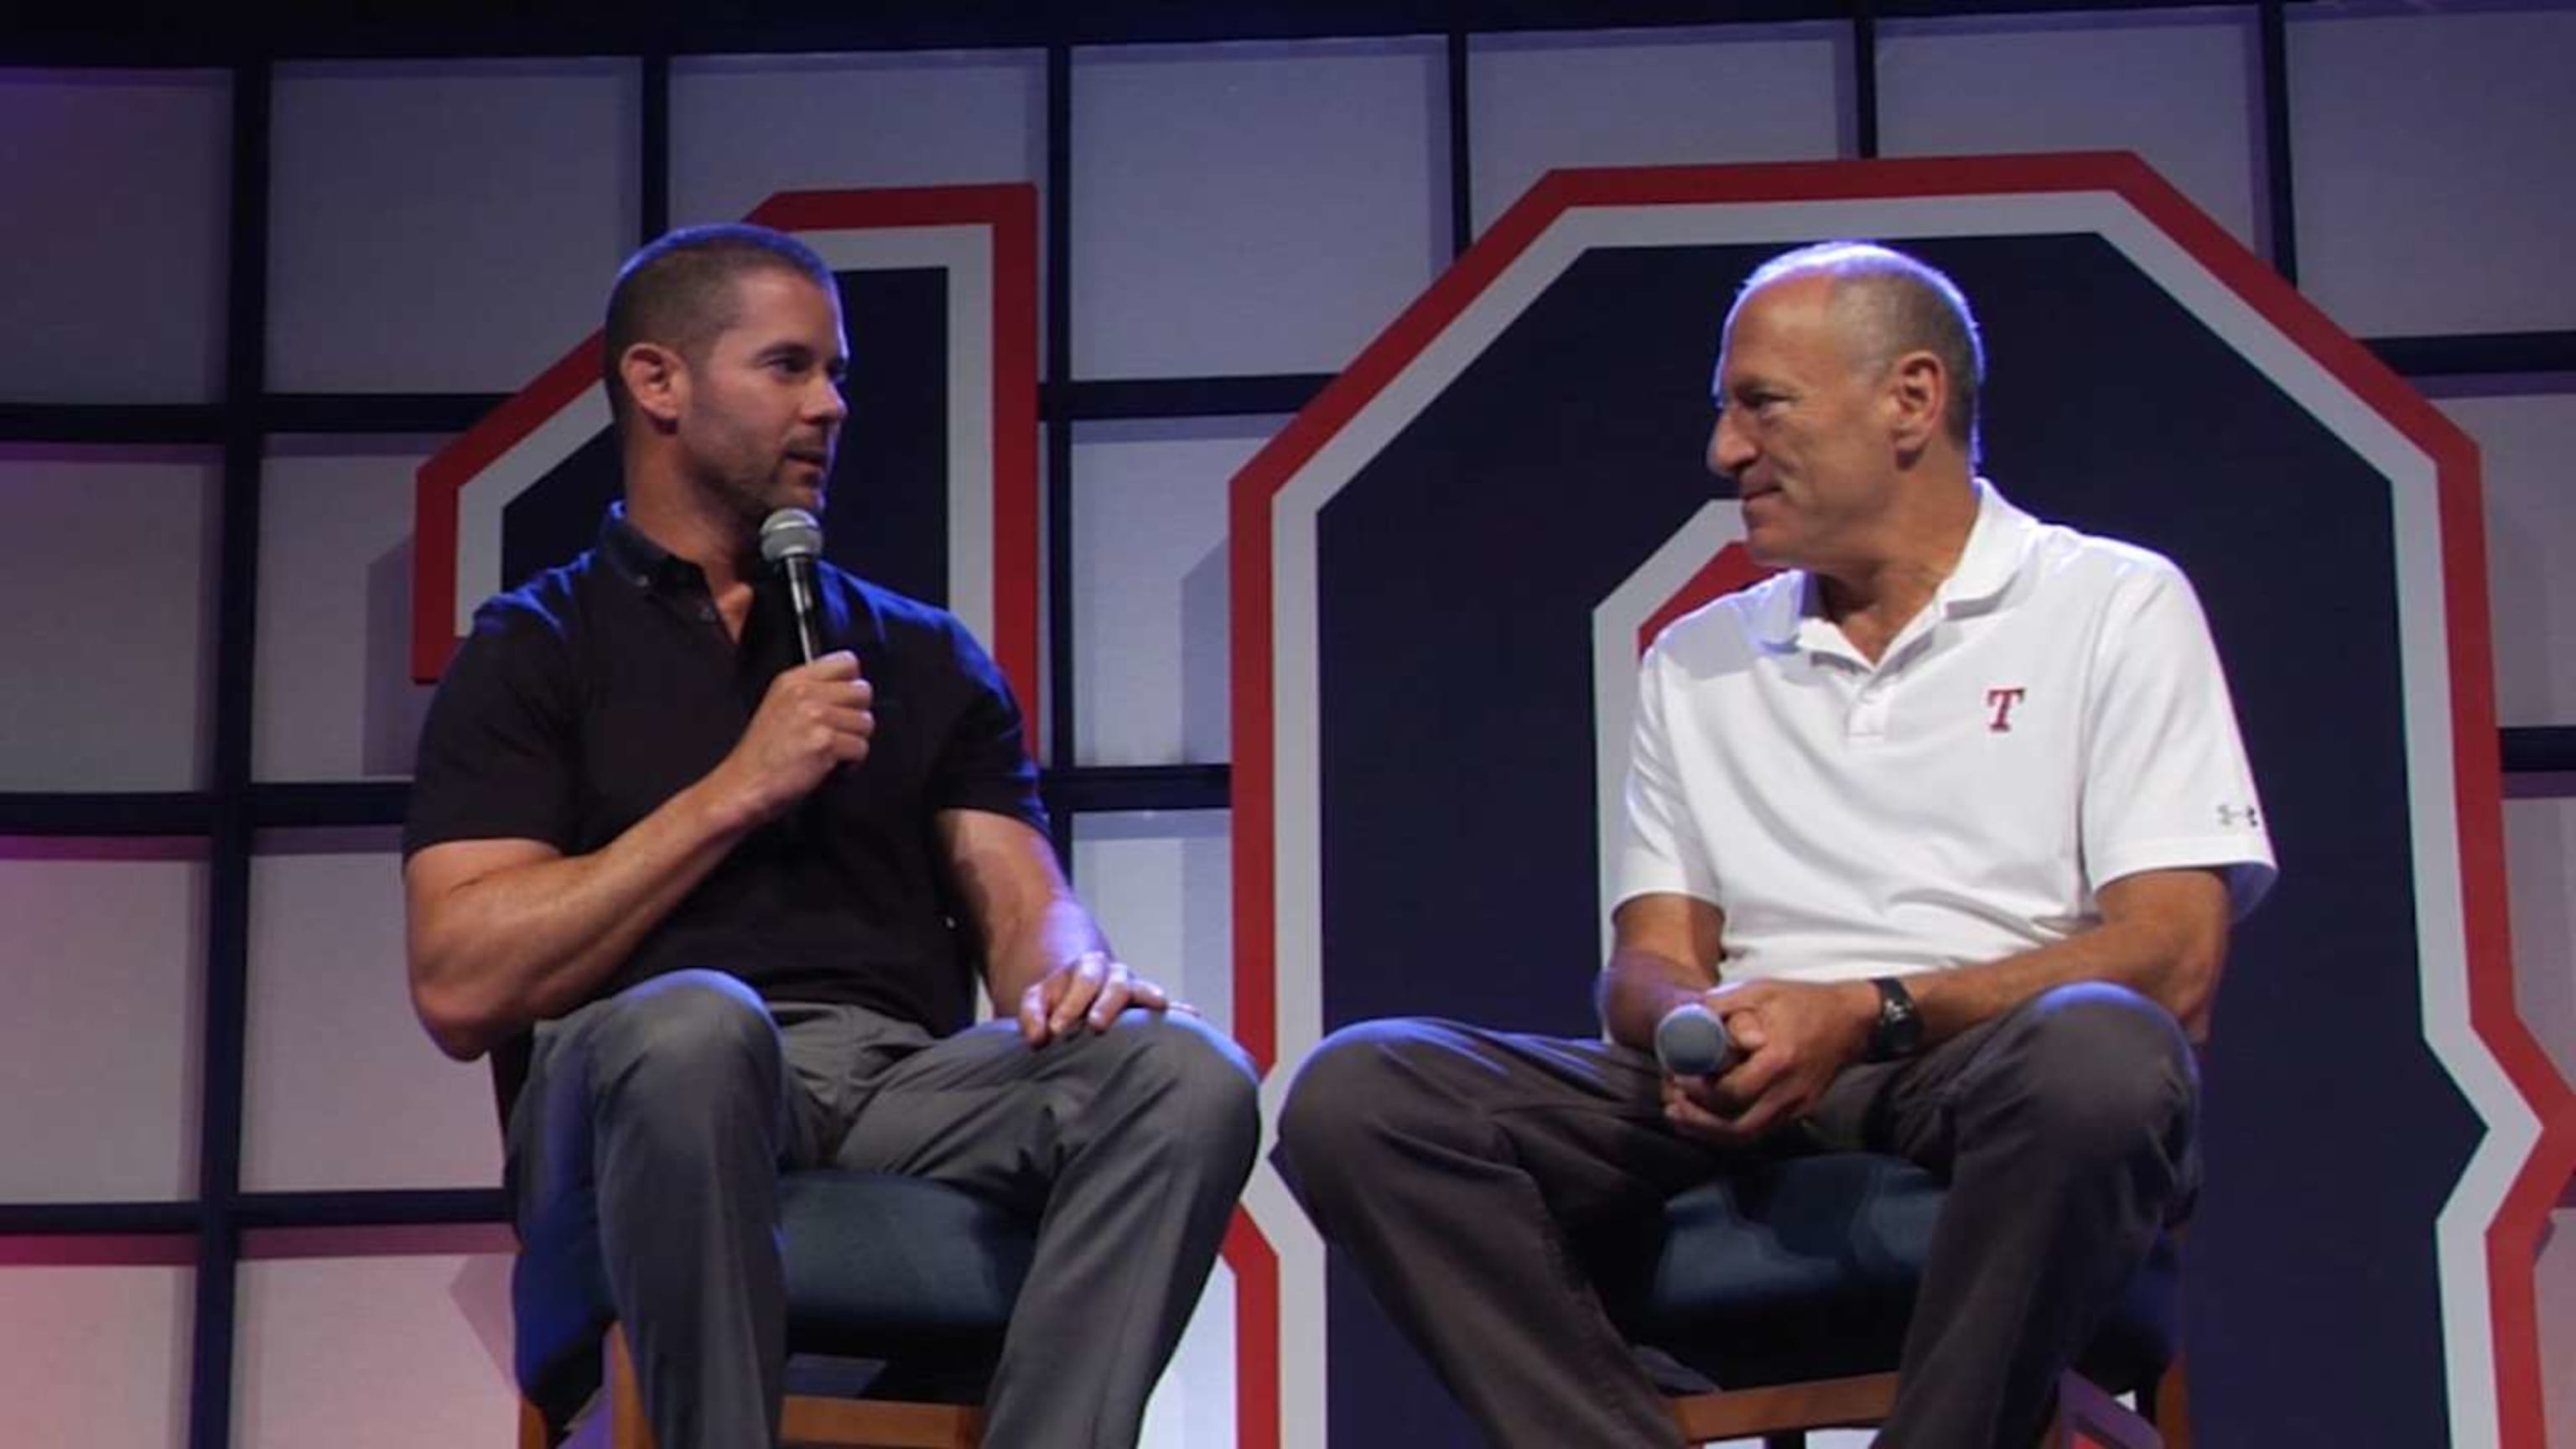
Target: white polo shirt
[(2053, 720)]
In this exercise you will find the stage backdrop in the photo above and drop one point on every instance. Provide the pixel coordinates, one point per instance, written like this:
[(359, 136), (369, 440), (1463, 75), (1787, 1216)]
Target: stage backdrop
[(1443, 571)]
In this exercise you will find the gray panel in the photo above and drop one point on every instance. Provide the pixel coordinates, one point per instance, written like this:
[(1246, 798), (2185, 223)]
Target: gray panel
[(99, 1055), (106, 578), (335, 699), (2540, 865), (743, 127), (413, 1347), (2178, 88), (343, 1089), (117, 185), (2432, 164), (1252, 208), (1658, 97), (1160, 883), (444, 227), (96, 1354), (1149, 587), (2524, 445)]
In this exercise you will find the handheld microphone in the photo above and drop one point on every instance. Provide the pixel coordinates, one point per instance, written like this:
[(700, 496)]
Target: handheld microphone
[(792, 540), (1691, 1042)]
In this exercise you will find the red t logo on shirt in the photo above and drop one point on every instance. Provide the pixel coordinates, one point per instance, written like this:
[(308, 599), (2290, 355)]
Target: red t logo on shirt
[(2002, 702)]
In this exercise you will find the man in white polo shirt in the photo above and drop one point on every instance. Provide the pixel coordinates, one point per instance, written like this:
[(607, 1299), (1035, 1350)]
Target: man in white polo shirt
[(1947, 823)]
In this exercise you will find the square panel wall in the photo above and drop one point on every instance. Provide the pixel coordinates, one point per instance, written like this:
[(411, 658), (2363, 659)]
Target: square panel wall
[(335, 699), (2524, 444), (394, 1338), (107, 579), (94, 1341), (2180, 88), (342, 1087), (112, 276), (2432, 162), (1652, 98), (1161, 884), (445, 227), (746, 127), (1252, 208), (102, 961), (1149, 587)]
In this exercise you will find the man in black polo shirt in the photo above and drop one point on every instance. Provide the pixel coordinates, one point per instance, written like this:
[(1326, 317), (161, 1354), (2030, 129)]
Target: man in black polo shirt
[(719, 884)]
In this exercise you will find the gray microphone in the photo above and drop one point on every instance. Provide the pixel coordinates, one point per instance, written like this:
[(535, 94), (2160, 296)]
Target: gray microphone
[(1691, 1042), (791, 540)]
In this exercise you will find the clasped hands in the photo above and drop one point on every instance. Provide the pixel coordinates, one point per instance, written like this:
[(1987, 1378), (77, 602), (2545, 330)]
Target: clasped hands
[(1792, 1038)]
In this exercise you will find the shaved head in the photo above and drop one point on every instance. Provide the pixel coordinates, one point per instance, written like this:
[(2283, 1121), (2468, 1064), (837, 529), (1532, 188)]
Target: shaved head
[(1890, 304)]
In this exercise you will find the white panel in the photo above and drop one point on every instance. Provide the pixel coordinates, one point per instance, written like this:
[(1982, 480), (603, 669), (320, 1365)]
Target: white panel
[(2540, 866), (344, 1089), (444, 227), (2525, 446), (1252, 208), (1654, 97), (1193, 1406), (1160, 883), (106, 580), (743, 127), (2176, 88), (101, 961), (95, 1354), (117, 293), (335, 697), (2557, 1289), (394, 1352), (1149, 587), (2431, 166)]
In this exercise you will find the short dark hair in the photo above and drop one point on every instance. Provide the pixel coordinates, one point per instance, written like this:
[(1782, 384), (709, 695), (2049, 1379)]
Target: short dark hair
[(1903, 304), (678, 291)]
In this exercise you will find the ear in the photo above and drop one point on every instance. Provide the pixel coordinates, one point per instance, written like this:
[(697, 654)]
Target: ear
[(656, 379), (1918, 392)]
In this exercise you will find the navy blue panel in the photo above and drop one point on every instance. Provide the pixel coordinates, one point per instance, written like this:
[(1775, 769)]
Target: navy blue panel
[(1458, 574), (888, 514)]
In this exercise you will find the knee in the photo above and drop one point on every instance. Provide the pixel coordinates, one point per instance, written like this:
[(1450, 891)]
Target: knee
[(688, 1037), (1347, 1096), (1205, 1099), (2104, 1074)]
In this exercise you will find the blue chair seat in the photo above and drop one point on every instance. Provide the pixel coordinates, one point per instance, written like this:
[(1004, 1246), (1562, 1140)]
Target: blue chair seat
[(881, 1267), (1807, 1268)]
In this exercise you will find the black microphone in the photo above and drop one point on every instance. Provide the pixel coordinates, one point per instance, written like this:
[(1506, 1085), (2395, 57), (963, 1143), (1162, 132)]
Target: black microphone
[(1691, 1042), (792, 540)]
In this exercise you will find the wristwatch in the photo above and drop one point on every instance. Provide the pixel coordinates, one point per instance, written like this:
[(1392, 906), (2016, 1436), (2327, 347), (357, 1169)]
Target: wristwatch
[(1898, 1032)]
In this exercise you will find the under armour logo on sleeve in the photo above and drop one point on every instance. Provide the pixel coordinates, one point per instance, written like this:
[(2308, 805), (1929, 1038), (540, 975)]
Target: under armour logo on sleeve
[(2232, 816)]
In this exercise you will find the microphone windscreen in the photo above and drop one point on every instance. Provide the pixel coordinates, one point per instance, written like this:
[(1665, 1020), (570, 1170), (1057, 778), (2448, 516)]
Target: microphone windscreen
[(790, 533), (1692, 1042)]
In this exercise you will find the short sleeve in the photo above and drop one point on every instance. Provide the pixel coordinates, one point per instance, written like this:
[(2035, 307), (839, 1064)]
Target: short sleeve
[(1661, 852), (2166, 781), (984, 763), (498, 751)]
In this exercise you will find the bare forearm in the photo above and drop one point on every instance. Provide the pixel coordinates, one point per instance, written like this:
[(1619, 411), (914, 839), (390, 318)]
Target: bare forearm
[(1637, 987), (1025, 947), (528, 941), (2163, 959)]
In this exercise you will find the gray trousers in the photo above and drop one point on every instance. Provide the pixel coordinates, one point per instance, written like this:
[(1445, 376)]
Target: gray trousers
[(1455, 1166), (678, 1101)]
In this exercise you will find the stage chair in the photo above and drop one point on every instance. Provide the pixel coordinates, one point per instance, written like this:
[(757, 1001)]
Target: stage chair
[(1791, 1285), (898, 1292)]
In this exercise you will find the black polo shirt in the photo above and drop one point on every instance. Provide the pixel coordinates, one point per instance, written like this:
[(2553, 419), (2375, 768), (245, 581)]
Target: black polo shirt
[(585, 699)]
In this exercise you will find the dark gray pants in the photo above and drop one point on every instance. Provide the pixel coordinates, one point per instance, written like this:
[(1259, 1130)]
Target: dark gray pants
[(1456, 1165), (676, 1103)]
